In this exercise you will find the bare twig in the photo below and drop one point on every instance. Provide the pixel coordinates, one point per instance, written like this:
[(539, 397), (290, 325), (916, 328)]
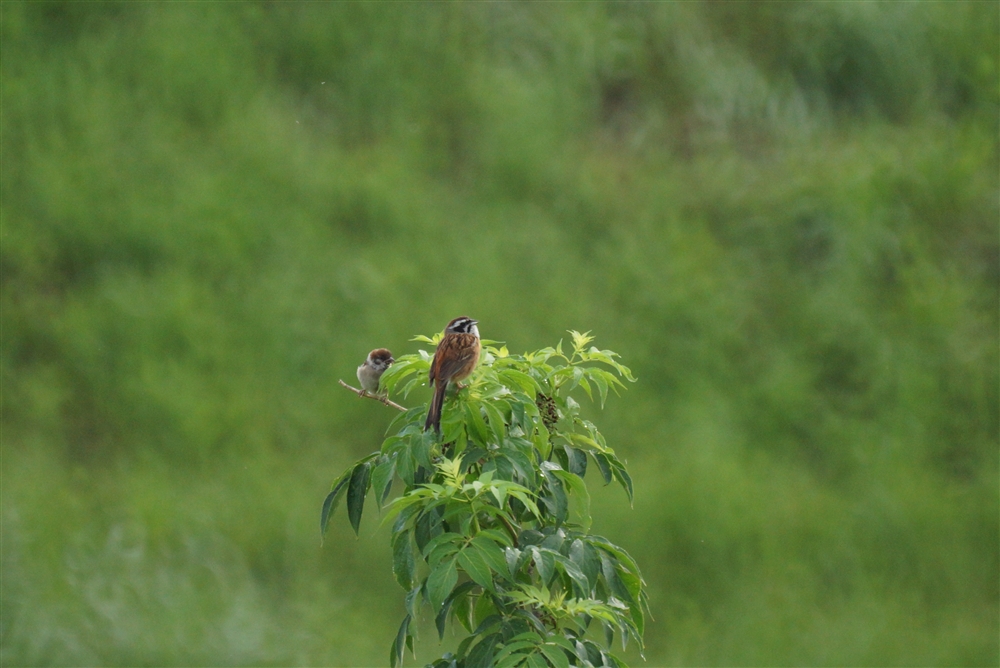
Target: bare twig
[(368, 395)]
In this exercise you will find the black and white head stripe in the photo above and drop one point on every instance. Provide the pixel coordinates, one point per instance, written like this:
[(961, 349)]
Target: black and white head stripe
[(463, 325)]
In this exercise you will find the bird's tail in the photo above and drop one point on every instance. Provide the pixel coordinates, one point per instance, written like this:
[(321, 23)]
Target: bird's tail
[(434, 412)]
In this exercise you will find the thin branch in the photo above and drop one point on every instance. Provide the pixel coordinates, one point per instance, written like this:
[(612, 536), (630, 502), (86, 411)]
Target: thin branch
[(510, 529), (363, 393)]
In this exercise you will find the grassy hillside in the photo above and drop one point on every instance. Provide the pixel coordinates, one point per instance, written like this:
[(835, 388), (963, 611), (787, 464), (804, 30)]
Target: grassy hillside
[(784, 217)]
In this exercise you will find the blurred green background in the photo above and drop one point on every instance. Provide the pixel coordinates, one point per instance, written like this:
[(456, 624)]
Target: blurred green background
[(784, 217)]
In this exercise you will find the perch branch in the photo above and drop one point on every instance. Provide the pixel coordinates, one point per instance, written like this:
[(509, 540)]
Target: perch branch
[(384, 399)]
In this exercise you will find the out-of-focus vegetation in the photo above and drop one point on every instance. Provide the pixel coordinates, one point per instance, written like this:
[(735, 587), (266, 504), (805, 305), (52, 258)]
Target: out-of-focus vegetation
[(784, 216)]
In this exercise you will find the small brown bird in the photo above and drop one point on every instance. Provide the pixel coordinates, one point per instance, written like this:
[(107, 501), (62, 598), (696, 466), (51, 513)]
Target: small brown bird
[(455, 358), (371, 371)]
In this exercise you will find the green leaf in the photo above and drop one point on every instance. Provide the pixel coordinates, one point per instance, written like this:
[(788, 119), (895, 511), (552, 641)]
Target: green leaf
[(382, 479), (401, 503), (492, 553), (541, 441), (398, 645), (413, 600), (585, 557), (576, 460), (580, 583), (403, 561), (513, 378), (473, 563), (560, 641), (475, 423), (615, 584), (481, 655), (442, 616), (496, 421), (557, 658), (356, 491), (408, 386), (522, 464), (625, 479), (597, 376), (536, 661), (581, 495), (556, 500), (440, 582), (623, 557), (530, 537), (544, 562), (510, 661), (421, 445), (510, 654), (331, 501), (463, 610), (604, 464), (441, 547), (453, 429), (427, 526), (403, 367)]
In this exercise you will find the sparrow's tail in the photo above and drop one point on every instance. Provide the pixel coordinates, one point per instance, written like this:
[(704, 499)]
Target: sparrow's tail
[(434, 412)]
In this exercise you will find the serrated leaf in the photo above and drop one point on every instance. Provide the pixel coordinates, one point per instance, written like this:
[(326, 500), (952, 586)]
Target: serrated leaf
[(545, 563), (510, 655), (556, 657), (496, 421), (576, 460), (609, 633), (481, 655), (526, 500), (442, 616), (509, 661), (523, 465), (536, 660), (513, 378), (398, 645), (331, 501), (559, 640), (614, 582), (413, 600), (422, 444), (382, 479), (403, 561), (581, 495), (475, 424), (540, 440), (604, 464), (556, 500), (441, 581), (585, 557), (463, 646), (530, 537), (441, 547), (463, 611), (514, 559), (410, 384), (473, 563), (625, 479), (402, 368), (493, 554), (580, 583), (356, 492), (596, 375)]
